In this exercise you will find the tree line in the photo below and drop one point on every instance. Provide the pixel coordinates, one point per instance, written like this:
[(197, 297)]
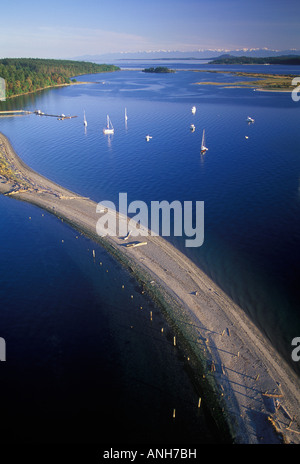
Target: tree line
[(23, 75), (284, 59)]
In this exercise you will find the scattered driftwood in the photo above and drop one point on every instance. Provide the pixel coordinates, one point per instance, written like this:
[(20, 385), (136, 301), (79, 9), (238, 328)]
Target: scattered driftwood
[(273, 395), (133, 245), (276, 428), (293, 431), (127, 236)]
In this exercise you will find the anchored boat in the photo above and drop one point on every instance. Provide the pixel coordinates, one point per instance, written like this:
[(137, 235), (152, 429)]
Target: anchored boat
[(203, 147), (109, 127)]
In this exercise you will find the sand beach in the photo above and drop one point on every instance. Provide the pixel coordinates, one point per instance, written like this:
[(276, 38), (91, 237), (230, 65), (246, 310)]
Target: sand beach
[(251, 388)]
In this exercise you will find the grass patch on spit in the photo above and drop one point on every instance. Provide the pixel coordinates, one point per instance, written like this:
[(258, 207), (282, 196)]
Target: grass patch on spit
[(276, 82), (7, 171)]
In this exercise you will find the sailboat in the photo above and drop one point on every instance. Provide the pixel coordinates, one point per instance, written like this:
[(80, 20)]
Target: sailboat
[(193, 109), (84, 119), (203, 147), (109, 127), (249, 120), (126, 115)]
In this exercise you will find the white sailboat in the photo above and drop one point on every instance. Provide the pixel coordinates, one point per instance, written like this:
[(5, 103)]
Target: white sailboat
[(84, 119), (126, 115), (193, 109), (249, 120), (203, 147), (109, 127)]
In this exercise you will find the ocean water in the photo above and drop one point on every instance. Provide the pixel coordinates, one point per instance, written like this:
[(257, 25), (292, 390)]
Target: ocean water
[(250, 189), (85, 364)]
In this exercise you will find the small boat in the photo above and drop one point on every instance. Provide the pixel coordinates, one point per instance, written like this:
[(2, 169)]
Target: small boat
[(84, 119), (126, 114), (203, 147), (192, 127), (193, 109), (148, 137), (249, 119), (109, 127)]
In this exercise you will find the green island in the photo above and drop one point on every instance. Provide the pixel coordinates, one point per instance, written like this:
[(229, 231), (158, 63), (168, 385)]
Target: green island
[(158, 70), (261, 81), (26, 75)]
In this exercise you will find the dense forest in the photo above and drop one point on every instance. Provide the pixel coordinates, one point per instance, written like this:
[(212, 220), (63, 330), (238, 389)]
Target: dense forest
[(23, 75), (284, 59), (159, 69)]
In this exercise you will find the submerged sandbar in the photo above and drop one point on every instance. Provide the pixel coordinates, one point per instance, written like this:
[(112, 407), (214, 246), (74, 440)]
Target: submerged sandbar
[(250, 388)]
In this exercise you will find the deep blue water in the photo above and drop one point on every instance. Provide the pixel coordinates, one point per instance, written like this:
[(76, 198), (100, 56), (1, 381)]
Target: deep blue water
[(84, 361), (250, 188)]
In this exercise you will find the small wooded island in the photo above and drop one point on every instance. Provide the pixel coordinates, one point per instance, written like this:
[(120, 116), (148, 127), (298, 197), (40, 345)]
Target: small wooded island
[(25, 75), (158, 70)]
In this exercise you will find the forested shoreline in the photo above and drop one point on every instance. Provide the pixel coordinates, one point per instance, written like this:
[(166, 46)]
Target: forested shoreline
[(24, 75), (284, 59)]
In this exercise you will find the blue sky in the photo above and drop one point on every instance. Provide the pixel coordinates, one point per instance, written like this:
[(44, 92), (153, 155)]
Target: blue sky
[(69, 28)]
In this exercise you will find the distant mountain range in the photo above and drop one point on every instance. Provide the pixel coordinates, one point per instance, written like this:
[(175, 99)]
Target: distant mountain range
[(197, 54)]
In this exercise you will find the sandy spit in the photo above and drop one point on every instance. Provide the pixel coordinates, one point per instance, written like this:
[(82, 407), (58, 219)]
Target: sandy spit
[(256, 392)]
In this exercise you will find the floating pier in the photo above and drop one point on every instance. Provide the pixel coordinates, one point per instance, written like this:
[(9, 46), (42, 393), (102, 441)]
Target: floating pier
[(37, 112), (58, 116), (14, 112)]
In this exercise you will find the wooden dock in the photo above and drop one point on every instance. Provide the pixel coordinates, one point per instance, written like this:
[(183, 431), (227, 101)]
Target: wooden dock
[(11, 112), (58, 116), (37, 112)]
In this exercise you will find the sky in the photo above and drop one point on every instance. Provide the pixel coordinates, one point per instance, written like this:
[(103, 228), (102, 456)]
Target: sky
[(72, 28)]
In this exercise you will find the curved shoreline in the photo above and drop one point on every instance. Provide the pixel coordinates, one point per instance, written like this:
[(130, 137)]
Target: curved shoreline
[(234, 360)]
